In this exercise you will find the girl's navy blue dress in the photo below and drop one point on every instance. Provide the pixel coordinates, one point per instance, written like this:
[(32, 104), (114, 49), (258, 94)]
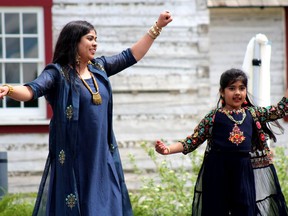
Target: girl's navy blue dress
[(237, 180), (228, 181)]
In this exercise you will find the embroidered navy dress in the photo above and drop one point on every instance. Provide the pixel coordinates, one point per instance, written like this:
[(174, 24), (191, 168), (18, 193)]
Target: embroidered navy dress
[(237, 180), (228, 182)]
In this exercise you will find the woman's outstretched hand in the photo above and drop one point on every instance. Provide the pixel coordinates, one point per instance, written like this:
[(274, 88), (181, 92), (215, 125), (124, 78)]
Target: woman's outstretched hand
[(3, 91), (161, 148), (164, 18)]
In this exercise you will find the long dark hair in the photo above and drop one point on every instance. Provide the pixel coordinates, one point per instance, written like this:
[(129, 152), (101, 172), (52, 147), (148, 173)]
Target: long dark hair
[(233, 75), (66, 47)]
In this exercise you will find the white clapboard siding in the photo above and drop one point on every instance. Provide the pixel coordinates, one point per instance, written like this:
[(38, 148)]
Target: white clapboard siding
[(230, 32)]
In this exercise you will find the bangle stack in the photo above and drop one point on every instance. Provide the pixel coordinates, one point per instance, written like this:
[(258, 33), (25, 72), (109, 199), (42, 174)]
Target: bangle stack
[(154, 31), (10, 89)]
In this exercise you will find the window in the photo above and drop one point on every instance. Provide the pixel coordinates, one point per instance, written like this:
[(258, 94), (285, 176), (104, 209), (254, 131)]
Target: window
[(22, 58)]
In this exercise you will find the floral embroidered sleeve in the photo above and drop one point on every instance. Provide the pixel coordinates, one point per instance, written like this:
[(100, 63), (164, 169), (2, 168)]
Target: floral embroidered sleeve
[(272, 113), (201, 133)]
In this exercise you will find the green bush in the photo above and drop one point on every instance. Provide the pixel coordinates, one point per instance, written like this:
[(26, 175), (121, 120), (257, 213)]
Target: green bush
[(17, 204), (281, 165), (171, 191)]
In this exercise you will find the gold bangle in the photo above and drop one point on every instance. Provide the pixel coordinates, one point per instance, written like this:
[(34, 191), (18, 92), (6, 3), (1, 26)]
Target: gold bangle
[(168, 149), (154, 31), (159, 29), (151, 34), (10, 89)]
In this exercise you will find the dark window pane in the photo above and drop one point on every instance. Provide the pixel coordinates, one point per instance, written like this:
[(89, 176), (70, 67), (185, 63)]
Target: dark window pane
[(12, 103), (0, 23), (30, 48), (12, 48), (1, 79), (30, 23), (33, 103), (12, 72), (12, 25), (1, 48), (29, 72)]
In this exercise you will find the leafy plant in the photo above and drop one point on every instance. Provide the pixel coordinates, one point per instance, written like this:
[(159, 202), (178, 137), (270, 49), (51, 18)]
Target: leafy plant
[(281, 165), (21, 204), (170, 192)]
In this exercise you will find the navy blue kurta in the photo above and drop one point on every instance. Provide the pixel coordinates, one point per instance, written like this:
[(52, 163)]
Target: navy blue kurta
[(83, 174), (99, 190)]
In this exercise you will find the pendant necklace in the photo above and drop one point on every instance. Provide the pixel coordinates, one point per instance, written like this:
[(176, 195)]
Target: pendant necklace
[(96, 97), (236, 135)]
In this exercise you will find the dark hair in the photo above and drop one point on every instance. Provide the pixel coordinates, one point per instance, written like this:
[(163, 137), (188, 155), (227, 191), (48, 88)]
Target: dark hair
[(233, 75), (66, 47)]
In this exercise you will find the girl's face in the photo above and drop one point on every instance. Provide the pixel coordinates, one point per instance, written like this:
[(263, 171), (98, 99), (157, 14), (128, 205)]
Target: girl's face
[(87, 47), (234, 95)]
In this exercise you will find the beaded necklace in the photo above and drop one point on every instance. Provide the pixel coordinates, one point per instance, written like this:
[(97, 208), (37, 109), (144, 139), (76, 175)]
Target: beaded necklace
[(236, 135)]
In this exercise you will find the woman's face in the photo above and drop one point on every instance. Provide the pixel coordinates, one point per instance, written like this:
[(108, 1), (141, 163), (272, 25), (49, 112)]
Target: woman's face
[(87, 46), (234, 95)]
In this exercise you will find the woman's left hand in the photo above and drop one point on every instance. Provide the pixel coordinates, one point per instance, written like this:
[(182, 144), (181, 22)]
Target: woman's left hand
[(164, 18)]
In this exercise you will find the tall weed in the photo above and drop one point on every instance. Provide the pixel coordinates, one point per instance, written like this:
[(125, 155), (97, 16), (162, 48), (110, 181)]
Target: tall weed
[(170, 192)]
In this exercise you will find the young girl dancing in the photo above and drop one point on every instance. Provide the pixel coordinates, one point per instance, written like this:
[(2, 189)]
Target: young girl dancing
[(237, 177)]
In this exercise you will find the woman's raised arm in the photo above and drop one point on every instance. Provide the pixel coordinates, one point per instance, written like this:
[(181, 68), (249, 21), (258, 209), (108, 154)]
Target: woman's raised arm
[(141, 47)]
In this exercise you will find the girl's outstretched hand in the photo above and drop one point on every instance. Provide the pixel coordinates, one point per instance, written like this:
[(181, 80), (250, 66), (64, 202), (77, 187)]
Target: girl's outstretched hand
[(161, 148)]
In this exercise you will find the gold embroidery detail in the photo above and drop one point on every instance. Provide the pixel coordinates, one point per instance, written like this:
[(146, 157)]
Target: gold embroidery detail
[(69, 112), (62, 157), (71, 201), (96, 64), (65, 72)]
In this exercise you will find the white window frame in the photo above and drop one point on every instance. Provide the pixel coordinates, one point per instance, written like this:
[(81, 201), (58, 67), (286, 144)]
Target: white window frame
[(21, 115)]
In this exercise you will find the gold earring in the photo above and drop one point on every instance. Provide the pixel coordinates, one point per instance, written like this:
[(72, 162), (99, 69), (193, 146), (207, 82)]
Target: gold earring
[(78, 59)]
